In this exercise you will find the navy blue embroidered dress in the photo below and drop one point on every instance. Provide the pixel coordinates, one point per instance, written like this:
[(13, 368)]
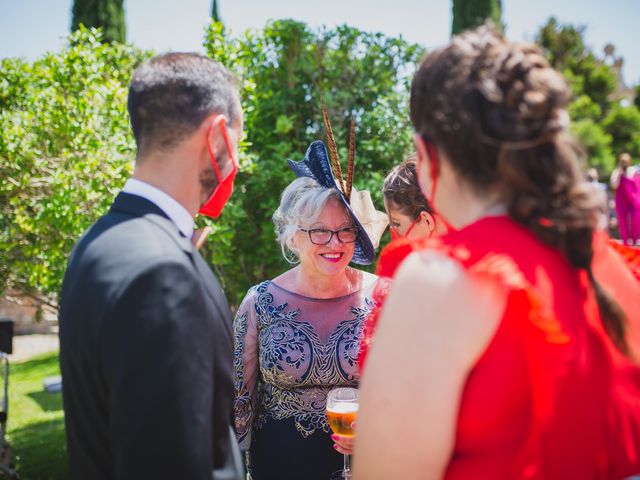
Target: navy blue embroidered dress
[(290, 350)]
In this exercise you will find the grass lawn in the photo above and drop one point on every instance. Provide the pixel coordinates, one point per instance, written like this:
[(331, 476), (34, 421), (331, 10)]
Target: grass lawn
[(36, 422)]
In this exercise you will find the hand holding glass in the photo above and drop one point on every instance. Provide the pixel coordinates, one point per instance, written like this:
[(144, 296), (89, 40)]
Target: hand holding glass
[(342, 409)]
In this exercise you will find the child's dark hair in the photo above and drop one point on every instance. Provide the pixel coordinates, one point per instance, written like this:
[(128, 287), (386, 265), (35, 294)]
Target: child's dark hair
[(401, 188)]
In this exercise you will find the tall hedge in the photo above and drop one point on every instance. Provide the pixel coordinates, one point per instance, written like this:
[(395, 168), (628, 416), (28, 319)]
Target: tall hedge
[(473, 13), (65, 150)]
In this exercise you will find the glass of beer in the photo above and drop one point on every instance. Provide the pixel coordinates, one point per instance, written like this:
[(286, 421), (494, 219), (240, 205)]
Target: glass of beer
[(342, 409)]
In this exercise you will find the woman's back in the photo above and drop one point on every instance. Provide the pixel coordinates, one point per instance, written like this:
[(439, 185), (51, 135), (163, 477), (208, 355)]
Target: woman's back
[(541, 402), (509, 353)]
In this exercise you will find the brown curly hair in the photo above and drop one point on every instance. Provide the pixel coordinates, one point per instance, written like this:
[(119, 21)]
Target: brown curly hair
[(402, 189), (498, 111)]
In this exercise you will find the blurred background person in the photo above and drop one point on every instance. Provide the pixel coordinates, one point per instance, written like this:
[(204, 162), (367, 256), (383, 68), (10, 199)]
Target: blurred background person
[(498, 354), (625, 181), (602, 192)]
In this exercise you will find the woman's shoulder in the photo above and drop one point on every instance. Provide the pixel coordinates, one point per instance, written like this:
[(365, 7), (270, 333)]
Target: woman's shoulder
[(435, 278), (285, 280), (254, 292), (462, 306), (434, 269), (365, 282)]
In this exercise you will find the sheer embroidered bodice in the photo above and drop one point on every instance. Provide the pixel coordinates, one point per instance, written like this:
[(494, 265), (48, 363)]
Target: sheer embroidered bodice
[(290, 350)]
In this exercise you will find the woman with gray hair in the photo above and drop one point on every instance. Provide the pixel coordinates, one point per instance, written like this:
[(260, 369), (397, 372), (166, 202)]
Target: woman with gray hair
[(297, 336)]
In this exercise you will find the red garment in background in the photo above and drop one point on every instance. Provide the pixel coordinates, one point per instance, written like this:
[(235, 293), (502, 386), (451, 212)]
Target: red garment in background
[(627, 198), (551, 397), (630, 255)]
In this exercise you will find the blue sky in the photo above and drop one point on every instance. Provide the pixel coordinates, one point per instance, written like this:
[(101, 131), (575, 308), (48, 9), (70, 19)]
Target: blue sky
[(31, 27)]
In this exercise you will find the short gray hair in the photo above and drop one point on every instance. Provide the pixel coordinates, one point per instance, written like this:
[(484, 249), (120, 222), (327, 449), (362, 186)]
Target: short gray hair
[(300, 204)]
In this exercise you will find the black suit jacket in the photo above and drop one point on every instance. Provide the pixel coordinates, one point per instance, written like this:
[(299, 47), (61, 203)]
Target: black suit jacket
[(146, 353)]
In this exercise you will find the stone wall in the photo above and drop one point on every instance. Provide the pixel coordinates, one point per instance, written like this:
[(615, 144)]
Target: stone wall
[(23, 311)]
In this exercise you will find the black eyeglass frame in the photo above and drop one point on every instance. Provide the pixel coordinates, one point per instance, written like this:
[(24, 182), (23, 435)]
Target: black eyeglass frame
[(333, 232)]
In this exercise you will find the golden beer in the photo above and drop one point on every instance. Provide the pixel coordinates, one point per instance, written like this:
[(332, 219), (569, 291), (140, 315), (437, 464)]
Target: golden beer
[(341, 416)]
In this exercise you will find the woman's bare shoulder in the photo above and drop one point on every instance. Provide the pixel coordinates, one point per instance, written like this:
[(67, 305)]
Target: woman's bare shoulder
[(286, 279), (440, 299)]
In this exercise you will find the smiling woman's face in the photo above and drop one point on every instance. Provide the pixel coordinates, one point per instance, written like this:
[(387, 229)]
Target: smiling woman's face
[(330, 259)]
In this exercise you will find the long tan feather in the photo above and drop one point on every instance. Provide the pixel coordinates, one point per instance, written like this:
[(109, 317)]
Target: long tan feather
[(333, 151), (352, 159)]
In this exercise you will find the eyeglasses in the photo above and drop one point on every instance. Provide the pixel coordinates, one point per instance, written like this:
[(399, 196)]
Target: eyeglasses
[(321, 236)]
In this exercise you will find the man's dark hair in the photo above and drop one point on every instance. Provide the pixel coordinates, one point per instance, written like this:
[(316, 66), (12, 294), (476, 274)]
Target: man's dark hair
[(170, 95)]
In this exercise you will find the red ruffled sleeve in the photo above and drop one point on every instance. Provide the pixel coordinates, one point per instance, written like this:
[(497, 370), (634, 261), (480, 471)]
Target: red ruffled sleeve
[(391, 258)]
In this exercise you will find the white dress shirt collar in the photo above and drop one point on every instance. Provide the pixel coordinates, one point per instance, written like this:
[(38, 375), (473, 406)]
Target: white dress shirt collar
[(174, 210)]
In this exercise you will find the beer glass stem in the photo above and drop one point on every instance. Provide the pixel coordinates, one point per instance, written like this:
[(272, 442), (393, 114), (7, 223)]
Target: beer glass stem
[(346, 471)]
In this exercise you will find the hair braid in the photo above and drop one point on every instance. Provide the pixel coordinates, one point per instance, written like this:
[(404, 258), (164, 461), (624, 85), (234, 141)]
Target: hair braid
[(498, 109)]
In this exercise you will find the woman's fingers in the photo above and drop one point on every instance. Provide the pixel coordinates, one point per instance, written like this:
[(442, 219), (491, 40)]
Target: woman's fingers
[(343, 450), (343, 444)]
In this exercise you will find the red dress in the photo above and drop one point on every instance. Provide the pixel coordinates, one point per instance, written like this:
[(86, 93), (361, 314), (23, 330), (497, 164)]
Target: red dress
[(551, 397)]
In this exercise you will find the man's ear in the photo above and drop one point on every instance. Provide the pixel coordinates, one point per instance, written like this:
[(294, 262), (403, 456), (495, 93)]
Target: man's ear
[(213, 128)]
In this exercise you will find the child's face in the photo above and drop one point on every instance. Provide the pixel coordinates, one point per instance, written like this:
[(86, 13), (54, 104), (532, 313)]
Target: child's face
[(405, 226)]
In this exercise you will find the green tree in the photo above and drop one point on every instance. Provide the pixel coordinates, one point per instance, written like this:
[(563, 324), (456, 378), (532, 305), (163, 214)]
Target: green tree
[(65, 151), (473, 13), (564, 47), (215, 15), (597, 144), (66, 147), (603, 126), (105, 14), (623, 124), (563, 44)]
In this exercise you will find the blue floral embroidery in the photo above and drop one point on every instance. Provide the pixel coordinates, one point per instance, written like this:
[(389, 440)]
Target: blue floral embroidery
[(296, 369)]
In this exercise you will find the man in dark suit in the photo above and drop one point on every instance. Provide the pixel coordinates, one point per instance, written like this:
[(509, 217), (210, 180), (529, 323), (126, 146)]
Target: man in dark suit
[(146, 347)]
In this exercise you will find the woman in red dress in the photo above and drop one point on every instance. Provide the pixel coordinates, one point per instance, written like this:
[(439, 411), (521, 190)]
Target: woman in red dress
[(515, 362)]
